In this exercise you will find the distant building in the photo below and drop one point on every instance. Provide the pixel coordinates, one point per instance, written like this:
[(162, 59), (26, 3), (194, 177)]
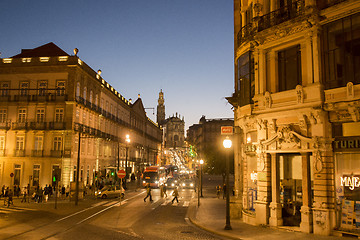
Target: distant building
[(173, 127), (47, 100), (207, 134)]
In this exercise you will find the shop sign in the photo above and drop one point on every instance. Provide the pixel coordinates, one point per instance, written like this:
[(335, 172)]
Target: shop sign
[(346, 144), (350, 181), (250, 148)]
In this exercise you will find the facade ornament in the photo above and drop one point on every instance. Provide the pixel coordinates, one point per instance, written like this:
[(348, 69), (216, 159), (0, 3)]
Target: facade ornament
[(267, 99), (318, 164), (300, 94), (354, 112), (350, 90), (288, 139)]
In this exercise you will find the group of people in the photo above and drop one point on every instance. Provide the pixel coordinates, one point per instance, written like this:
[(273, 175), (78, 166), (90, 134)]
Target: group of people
[(163, 193)]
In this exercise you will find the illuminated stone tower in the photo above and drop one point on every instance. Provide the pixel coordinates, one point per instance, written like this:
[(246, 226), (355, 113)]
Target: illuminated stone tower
[(160, 114)]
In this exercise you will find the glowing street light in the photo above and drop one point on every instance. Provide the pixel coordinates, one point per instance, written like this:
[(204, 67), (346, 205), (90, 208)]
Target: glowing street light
[(227, 145), (201, 181)]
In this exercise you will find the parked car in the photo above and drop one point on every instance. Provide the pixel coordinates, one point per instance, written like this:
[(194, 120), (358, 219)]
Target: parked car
[(110, 192), (188, 183), (171, 183)]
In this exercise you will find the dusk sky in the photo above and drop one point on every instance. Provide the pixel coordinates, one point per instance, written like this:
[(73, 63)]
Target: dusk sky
[(184, 47)]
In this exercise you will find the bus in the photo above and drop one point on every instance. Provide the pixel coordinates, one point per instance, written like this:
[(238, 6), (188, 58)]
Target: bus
[(155, 175)]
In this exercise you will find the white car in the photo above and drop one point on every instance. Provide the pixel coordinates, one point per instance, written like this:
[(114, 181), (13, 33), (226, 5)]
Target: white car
[(110, 192)]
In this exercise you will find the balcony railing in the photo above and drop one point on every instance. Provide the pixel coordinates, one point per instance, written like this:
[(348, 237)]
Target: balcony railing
[(5, 125), (38, 125), (33, 95), (329, 3), (56, 153), (19, 125), (19, 153), (271, 19), (57, 125), (37, 153)]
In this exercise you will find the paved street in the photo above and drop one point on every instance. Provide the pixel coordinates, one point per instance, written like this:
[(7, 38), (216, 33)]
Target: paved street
[(135, 219)]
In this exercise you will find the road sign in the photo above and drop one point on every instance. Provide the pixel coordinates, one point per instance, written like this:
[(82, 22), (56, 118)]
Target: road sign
[(226, 130), (11, 174), (121, 173)]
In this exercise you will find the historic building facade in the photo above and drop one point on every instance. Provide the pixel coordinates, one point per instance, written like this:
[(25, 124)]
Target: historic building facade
[(48, 100), (207, 134), (296, 113)]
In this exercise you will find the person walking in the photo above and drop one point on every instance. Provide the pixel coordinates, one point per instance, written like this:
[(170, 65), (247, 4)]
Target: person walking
[(175, 194), (24, 193), (148, 191), (10, 198), (164, 191), (218, 190)]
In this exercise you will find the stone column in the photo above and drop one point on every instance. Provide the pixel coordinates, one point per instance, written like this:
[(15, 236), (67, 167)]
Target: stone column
[(275, 206), (306, 224), (263, 189)]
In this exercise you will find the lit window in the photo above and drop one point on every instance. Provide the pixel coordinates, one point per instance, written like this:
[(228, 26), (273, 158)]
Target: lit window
[(20, 140), (26, 60), (7, 60), (22, 115), (59, 115), (40, 115), (57, 143), (44, 59), (63, 58)]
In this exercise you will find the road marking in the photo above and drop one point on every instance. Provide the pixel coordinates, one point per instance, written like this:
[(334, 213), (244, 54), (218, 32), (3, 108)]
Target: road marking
[(105, 209), (186, 203)]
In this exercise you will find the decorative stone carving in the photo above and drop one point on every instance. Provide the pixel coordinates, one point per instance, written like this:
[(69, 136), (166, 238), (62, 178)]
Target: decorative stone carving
[(318, 164), (286, 138), (300, 94), (268, 100), (350, 90), (354, 112)]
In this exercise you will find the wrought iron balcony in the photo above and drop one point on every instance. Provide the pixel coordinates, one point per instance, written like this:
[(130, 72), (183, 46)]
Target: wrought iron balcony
[(271, 19), (38, 125), (57, 125), (5, 125), (19, 153), (37, 153), (19, 125), (56, 153)]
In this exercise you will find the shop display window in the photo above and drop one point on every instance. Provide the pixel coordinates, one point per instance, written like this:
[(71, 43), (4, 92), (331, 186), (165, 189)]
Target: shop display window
[(347, 181)]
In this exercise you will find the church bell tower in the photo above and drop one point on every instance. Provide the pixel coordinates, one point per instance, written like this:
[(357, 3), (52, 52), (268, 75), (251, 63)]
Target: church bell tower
[(160, 114)]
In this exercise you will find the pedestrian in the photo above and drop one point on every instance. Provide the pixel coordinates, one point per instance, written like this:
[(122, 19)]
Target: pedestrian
[(10, 198), (224, 191), (2, 194), (63, 192), (40, 194), (24, 192), (164, 190), (218, 190), (6, 194), (175, 194), (148, 193)]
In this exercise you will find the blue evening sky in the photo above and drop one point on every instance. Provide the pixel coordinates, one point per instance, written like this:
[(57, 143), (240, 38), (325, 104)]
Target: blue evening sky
[(184, 47)]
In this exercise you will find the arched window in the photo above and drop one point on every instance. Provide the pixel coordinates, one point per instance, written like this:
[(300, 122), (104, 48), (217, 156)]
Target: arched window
[(77, 90), (91, 96), (84, 95)]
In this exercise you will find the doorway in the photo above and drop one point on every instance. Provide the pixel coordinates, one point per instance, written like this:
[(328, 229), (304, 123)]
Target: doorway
[(291, 188)]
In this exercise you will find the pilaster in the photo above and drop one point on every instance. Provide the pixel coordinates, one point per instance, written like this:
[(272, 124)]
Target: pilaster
[(275, 206)]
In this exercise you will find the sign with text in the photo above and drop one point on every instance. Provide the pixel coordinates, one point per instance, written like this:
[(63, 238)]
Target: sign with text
[(227, 130)]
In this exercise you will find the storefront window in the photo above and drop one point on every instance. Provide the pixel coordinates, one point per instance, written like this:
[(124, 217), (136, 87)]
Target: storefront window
[(347, 182), (252, 182)]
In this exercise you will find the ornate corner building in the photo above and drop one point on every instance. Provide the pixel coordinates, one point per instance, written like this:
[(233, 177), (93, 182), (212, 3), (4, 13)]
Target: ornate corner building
[(296, 114), (48, 100)]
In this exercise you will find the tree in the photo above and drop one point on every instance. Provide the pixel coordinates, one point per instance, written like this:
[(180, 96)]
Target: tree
[(215, 159)]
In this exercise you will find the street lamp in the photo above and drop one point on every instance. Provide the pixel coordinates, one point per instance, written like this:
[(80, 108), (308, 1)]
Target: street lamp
[(201, 178), (127, 140), (227, 145)]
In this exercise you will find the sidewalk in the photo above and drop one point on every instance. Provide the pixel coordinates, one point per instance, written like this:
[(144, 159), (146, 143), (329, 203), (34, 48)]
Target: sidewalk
[(211, 216)]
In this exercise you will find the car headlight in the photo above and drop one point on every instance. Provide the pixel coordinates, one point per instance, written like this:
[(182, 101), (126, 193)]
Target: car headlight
[(99, 192), (191, 184), (144, 181)]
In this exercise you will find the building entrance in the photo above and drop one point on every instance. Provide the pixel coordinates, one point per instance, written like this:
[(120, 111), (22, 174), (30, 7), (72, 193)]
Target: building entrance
[(291, 188)]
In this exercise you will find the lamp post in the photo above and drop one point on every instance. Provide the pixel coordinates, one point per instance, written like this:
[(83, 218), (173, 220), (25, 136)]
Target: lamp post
[(201, 178), (227, 144), (127, 140)]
